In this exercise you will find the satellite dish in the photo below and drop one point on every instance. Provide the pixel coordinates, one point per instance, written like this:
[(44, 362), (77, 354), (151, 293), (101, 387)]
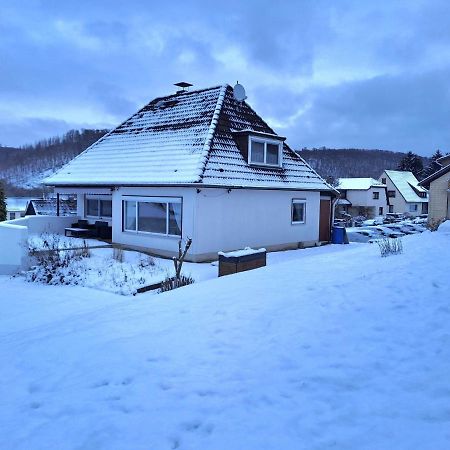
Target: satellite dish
[(239, 92)]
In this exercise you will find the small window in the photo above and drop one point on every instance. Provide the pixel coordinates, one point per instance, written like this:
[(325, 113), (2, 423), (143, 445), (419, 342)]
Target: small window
[(376, 195), (298, 211), (391, 194), (262, 152), (423, 194), (413, 207), (92, 207), (383, 180), (380, 211), (12, 216), (391, 208), (98, 207)]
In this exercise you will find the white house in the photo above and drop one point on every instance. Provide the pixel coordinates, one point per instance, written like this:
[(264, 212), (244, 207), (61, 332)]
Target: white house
[(439, 192), (404, 194), (204, 165), (362, 197), (15, 207)]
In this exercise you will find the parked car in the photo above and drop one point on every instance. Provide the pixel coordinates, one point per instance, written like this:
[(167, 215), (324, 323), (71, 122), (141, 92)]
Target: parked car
[(393, 218), (361, 235), (385, 231)]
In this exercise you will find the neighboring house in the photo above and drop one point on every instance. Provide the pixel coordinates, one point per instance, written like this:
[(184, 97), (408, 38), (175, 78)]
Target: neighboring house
[(15, 207), (203, 165), (404, 195), (362, 197), (439, 191), (49, 207)]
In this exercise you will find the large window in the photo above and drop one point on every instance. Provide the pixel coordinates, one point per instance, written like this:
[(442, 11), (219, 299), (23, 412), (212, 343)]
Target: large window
[(98, 206), (298, 211), (413, 207), (161, 215), (264, 152)]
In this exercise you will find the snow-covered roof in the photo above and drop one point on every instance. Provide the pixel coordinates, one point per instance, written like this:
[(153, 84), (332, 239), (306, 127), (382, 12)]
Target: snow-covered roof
[(359, 183), (439, 173), (16, 203), (48, 207), (185, 138), (408, 185)]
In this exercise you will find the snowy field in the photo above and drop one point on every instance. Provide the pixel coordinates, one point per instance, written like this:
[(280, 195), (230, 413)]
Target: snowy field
[(328, 348)]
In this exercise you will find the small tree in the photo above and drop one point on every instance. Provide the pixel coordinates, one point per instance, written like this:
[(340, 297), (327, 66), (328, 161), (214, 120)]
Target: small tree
[(3, 215), (179, 280)]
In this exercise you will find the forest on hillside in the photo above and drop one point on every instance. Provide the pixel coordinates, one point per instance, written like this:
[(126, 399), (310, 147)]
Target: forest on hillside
[(22, 169), (334, 163)]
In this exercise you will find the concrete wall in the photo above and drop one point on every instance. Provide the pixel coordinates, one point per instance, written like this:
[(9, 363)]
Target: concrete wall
[(14, 238), (13, 247), (439, 201)]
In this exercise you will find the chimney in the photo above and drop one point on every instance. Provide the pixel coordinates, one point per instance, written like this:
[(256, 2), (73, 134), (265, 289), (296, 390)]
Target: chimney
[(184, 86)]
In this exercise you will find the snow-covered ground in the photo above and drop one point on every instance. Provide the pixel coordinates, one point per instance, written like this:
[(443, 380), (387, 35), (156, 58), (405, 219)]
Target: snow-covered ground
[(333, 347)]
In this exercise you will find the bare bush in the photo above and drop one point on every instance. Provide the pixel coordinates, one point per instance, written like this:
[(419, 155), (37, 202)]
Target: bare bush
[(118, 254), (173, 283), (389, 246), (433, 224)]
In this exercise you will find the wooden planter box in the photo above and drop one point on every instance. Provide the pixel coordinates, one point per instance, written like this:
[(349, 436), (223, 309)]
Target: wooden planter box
[(241, 260)]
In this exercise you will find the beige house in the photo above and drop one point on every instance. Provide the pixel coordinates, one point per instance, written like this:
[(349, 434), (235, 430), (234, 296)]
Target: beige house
[(404, 194), (439, 188)]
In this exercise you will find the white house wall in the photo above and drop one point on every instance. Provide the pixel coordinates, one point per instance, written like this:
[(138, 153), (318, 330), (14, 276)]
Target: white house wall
[(364, 198), (164, 245), (256, 218)]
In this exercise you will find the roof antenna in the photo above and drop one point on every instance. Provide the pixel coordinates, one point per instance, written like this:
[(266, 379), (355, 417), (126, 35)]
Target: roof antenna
[(184, 86)]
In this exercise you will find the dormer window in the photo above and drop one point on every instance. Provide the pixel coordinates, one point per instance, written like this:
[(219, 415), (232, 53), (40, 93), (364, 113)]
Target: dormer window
[(264, 152)]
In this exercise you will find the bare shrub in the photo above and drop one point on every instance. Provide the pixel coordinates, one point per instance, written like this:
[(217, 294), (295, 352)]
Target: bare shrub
[(173, 283), (53, 258), (118, 254), (433, 225), (390, 246), (145, 261)]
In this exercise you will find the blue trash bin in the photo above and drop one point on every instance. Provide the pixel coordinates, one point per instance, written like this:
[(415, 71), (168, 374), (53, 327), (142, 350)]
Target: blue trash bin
[(337, 235)]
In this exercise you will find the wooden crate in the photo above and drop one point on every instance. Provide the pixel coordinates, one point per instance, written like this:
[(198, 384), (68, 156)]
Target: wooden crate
[(234, 264)]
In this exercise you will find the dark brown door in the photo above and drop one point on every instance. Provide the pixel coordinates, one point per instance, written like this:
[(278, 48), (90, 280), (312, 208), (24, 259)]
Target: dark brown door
[(325, 219)]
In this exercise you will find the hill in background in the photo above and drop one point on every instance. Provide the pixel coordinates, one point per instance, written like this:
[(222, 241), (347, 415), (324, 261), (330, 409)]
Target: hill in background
[(352, 162), (23, 169)]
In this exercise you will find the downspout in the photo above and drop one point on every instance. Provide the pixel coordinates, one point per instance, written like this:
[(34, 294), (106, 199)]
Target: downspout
[(57, 204)]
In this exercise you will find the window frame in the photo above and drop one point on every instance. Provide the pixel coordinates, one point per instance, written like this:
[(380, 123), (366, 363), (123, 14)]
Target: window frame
[(99, 198), (265, 142), (143, 199), (413, 207), (391, 194), (376, 195), (298, 201)]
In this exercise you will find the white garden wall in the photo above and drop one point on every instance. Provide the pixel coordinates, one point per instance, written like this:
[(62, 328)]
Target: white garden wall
[(14, 236)]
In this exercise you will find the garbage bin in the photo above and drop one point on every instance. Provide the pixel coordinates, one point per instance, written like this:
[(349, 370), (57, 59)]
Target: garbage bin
[(337, 235)]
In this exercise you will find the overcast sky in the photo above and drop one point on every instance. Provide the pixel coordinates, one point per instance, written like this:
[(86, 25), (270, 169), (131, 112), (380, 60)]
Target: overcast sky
[(336, 73)]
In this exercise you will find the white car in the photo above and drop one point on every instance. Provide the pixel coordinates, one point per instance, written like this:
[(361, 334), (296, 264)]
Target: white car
[(361, 235)]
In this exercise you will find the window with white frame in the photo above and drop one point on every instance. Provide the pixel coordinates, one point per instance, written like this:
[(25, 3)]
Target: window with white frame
[(413, 207), (298, 211), (160, 215), (98, 206), (264, 152)]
